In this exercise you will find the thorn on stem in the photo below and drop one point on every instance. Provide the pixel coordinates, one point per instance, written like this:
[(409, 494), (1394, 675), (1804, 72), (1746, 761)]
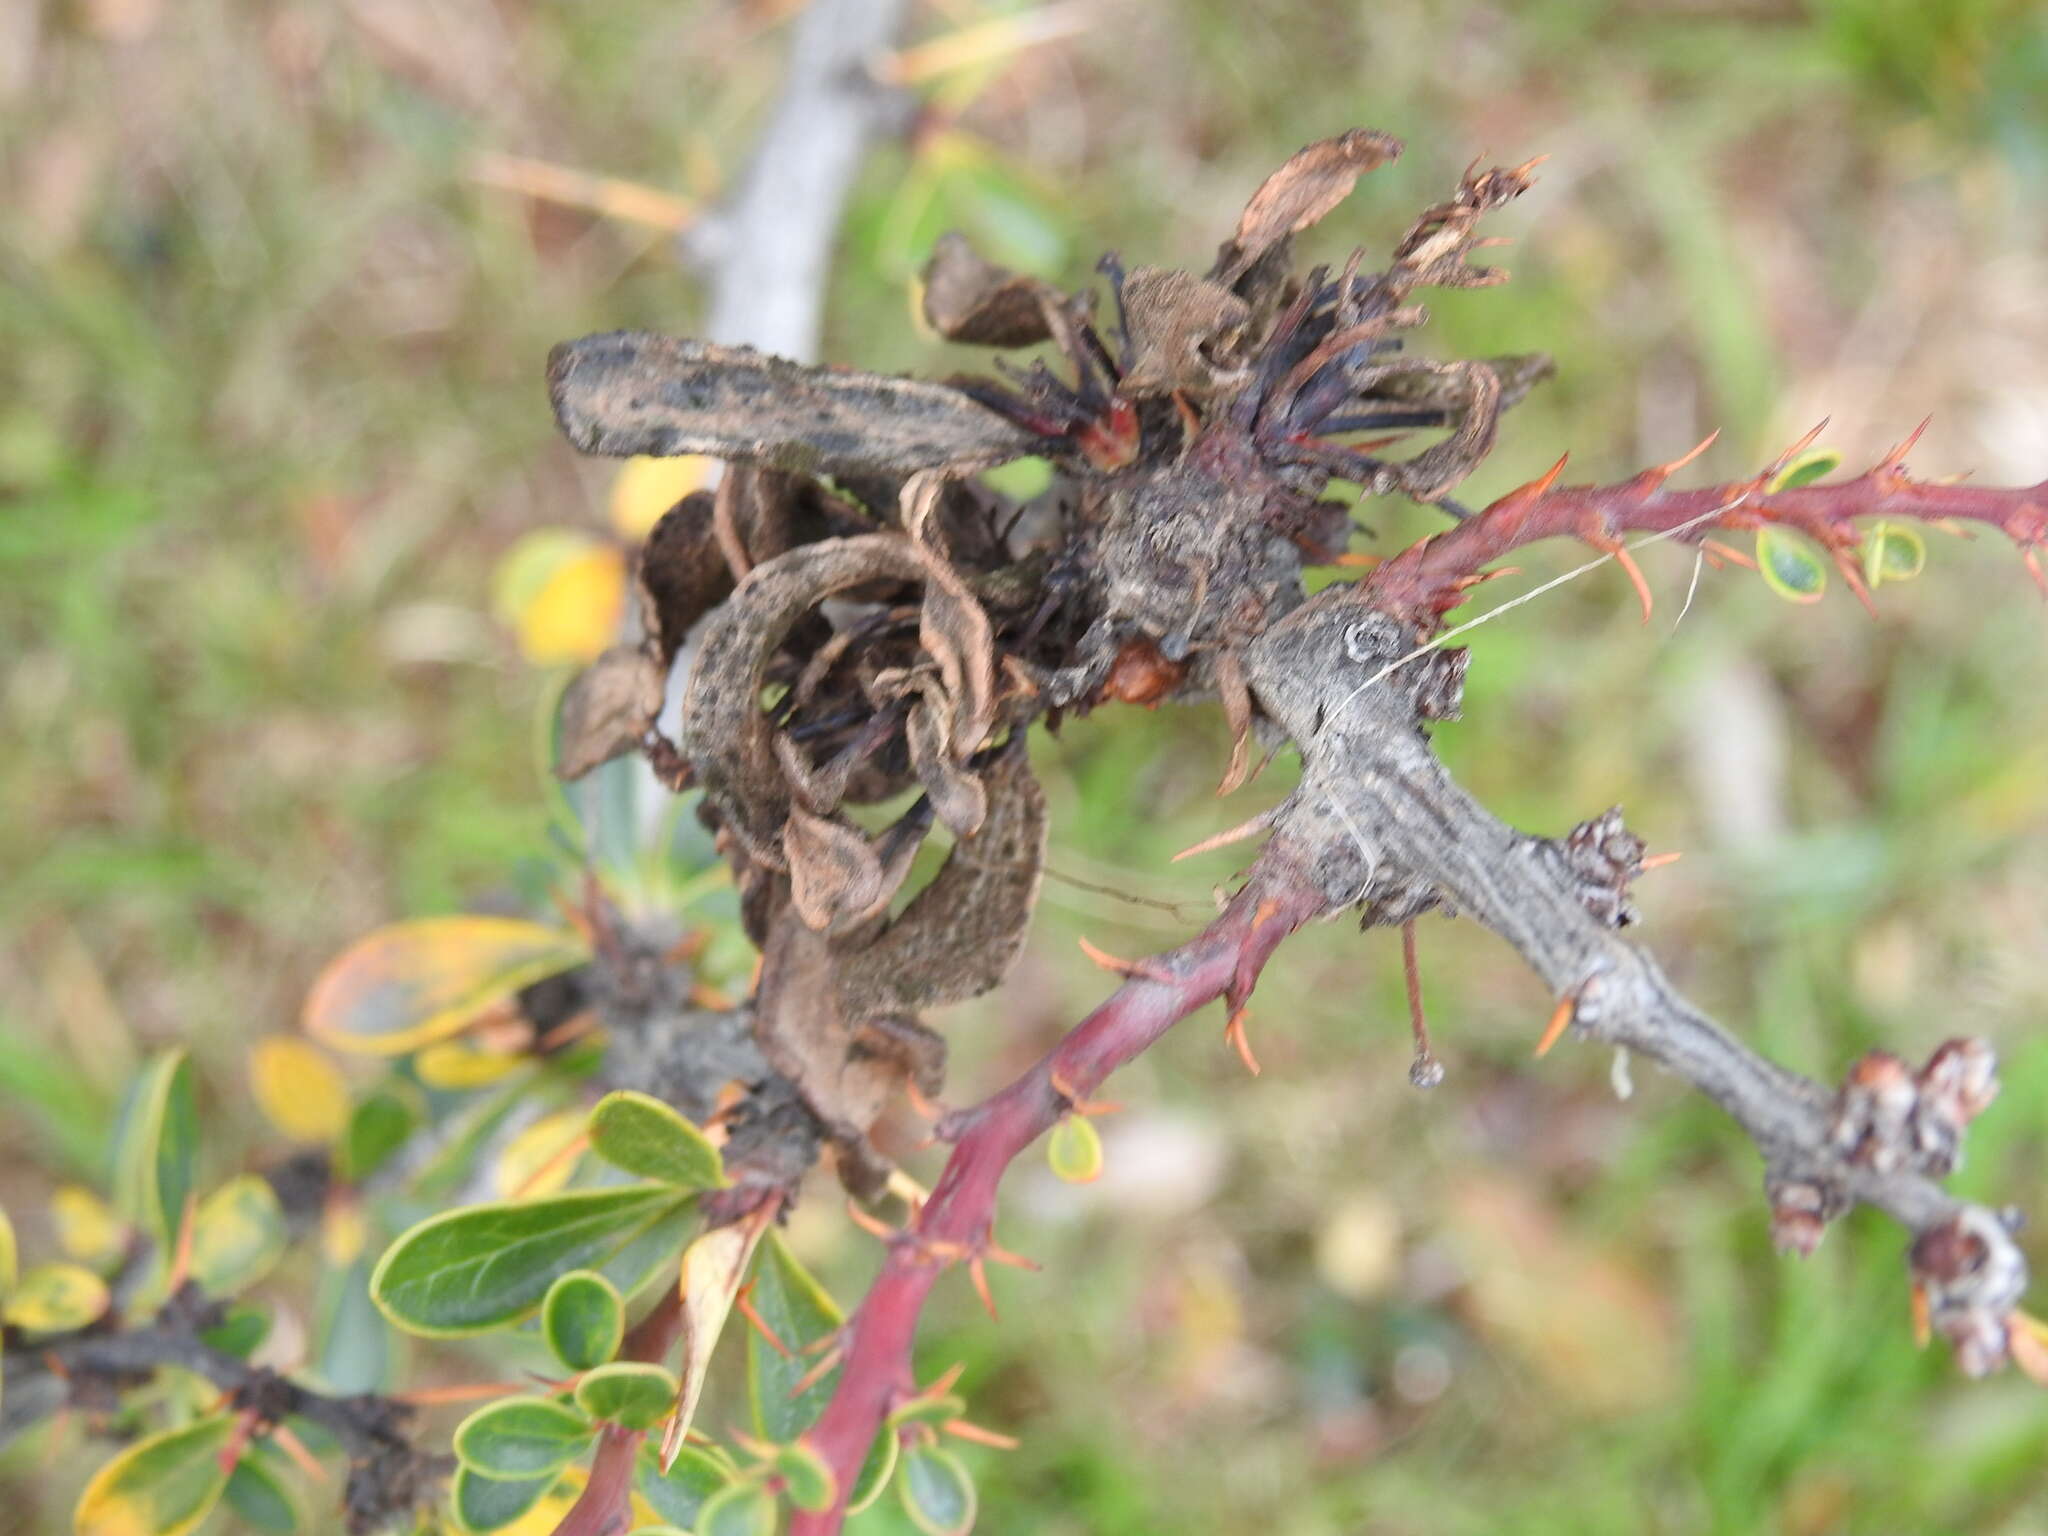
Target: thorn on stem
[(1560, 1020), (1136, 970), (1234, 1032), (1425, 1071)]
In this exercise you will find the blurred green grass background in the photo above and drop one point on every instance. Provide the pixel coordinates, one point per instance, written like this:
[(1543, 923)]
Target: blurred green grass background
[(270, 410)]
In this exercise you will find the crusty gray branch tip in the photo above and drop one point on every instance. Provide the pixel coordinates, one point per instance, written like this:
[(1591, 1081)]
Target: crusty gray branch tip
[(626, 393)]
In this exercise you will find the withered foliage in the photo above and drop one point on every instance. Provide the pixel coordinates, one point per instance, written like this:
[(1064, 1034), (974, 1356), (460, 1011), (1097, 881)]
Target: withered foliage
[(866, 620)]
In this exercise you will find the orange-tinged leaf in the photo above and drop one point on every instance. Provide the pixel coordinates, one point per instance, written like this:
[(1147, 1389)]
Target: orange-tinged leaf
[(713, 1266), (538, 1161), (576, 612), (162, 1486), (645, 488), (298, 1089), (415, 983)]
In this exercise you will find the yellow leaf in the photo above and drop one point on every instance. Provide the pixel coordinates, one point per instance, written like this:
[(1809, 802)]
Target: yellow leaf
[(343, 1233), (87, 1228), (713, 1267), (298, 1089), (411, 984), (10, 1256), (542, 1519), (537, 1161), (576, 612), (55, 1298), (237, 1235), (162, 1486), (645, 488), (454, 1065)]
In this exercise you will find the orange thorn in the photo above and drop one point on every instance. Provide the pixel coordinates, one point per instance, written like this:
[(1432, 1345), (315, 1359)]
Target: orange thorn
[(1138, 969), (1659, 860), (181, 1261), (688, 947), (744, 1302), (1560, 1021), (1634, 572), (964, 1430), (873, 1225), (1795, 450), (1234, 1032), (1716, 549), (818, 1372), (943, 1382), (2032, 563), (996, 1253), (1360, 560), (282, 1437), (1852, 578), (1897, 456), (1236, 834), (1538, 486), (1923, 1329), (978, 1272), (1666, 471), (924, 1107), (457, 1392)]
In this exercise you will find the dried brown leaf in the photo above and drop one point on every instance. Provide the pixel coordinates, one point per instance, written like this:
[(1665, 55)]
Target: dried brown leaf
[(1185, 333), (836, 880), (1235, 694), (1314, 181), (971, 300), (607, 709), (956, 794), (681, 575)]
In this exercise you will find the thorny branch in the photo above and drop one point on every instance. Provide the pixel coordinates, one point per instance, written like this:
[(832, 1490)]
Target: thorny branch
[(868, 619)]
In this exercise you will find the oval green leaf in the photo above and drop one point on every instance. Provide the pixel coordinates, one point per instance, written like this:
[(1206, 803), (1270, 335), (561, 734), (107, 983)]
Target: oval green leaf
[(678, 1494), (1804, 469), (744, 1509), (1074, 1150), (413, 983), (238, 1235), (583, 1319), (239, 1332), (1789, 567), (155, 1147), (1892, 552), (648, 1139), (521, 1437), (805, 1477), (484, 1504), (876, 1471), (629, 1393), (377, 1128), (162, 1486), (487, 1266), (263, 1497), (937, 1492), (55, 1298), (797, 1311)]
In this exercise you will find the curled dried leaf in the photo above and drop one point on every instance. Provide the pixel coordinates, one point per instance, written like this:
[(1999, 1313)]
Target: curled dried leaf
[(956, 794), (681, 575), (1186, 333), (975, 301), (1313, 181), (607, 709), (1235, 694), (836, 880)]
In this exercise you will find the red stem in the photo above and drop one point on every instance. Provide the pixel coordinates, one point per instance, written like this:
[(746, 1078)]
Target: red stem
[(1224, 960), (606, 1504)]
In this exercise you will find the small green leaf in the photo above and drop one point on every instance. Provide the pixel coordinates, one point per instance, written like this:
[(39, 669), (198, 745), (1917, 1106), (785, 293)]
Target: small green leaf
[(483, 1504), (487, 1266), (648, 1139), (678, 1494), (744, 1509), (1074, 1150), (805, 1477), (876, 1471), (799, 1313), (264, 1497), (937, 1493), (629, 1393), (355, 1349), (583, 1319), (155, 1148), (377, 1128), (521, 1437), (1892, 552), (1804, 469), (1788, 567), (240, 1331), (162, 1486), (238, 1235), (55, 1298)]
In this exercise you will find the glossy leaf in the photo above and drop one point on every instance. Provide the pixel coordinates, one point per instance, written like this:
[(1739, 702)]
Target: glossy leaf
[(411, 984), (805, 1477), (161, 1486), (483, 1267), (648, 1139), (522, 1437), (378, 1127), (876, 1471), (583, 1319), (238, 1235), (1074, 1150), (1804, 469), (264, 1497), (744, 1509), (1892, 552), (678, 1494), (937, 1492), (801, 1314), (539, 1160), (629, 1393), (55, 1298), (156, 1147), (87, 1228), (298, 1088), (1789, 566), (482, 1504)]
